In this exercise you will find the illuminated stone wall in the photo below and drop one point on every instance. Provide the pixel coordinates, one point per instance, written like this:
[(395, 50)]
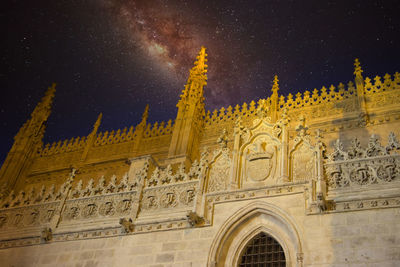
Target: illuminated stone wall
[(318, 171)]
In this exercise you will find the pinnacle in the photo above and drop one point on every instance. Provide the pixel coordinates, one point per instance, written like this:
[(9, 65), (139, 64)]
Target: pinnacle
[(357, 67), (96, 125), (44, 105), (49, 95), (145, 113), (275, 86), (200, 65), (98, 121)]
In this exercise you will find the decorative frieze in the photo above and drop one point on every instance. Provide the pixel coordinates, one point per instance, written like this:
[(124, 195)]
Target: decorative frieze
[(173, 196), (357, 205), (360, 166)]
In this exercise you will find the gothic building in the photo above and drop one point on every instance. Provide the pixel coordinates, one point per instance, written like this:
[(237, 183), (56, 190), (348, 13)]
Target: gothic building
[(305, 180)]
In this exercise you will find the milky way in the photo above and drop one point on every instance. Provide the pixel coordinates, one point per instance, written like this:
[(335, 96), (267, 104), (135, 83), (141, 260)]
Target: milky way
[(116, 56), (162, 34), (171, 33)]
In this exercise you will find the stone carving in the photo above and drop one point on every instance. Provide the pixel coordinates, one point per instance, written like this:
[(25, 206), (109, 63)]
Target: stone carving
[(260, 157), (102, 188), (3, 220), (358, 167), (194, 219), (47, 234), (223, 139), (168, 189), (47, 215), (124, 206), (89, 210), (150, 202), (181, 195), (165, 176), (187, 196), (303, 165), (168, 200), (219, 173), (126, 224), (107, 209)]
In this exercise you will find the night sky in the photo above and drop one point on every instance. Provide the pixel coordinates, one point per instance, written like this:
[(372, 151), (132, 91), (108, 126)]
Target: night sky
[(116, 56)]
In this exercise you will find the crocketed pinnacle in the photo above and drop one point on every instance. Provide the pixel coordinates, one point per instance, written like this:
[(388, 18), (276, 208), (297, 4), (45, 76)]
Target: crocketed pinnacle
[(357, 68), (197, 80), (275, 86), (44, 106), (200, 66), (145, 114), (97, 123)]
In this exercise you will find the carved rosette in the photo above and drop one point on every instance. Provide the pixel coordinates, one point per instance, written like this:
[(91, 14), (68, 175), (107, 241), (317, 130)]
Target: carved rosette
[(107, 209), (89, 211), (124, 206), (187, 196), (169, 197), (96, 207), (168, 200), (29, 216)]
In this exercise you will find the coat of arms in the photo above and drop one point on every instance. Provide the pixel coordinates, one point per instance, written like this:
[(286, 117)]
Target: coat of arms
[(260, 161)]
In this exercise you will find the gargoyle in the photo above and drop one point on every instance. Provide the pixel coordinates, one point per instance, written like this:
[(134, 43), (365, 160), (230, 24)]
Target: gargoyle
[(126, 224)]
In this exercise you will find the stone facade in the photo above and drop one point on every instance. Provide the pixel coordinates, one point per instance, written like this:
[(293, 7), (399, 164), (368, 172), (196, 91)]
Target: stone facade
[(318, 172)]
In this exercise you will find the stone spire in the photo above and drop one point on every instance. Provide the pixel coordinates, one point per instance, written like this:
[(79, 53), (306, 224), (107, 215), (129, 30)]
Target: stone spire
[(274, 99), (193, 91), (27, 141), (139, 130), (275, 85), (359, 81), (38, 116), (91, 137), (357, 68), (145, 115), (187, 128)]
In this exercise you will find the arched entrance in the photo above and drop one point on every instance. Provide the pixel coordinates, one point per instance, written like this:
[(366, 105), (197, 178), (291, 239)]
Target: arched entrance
[(248, 223)]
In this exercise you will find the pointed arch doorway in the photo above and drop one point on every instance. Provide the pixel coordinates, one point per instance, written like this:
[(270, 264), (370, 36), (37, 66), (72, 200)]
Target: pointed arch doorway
[(246, 228)]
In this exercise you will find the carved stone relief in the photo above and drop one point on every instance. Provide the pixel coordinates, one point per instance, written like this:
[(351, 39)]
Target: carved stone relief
[(218, 177), (303, 164), (167, 197), (260, 160), (359, 166), (302, 156)]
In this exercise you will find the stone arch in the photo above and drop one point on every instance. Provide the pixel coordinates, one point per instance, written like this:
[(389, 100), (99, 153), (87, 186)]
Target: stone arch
[(247, 222)]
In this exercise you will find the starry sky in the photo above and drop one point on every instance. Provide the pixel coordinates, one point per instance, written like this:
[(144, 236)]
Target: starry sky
[(116, 56)]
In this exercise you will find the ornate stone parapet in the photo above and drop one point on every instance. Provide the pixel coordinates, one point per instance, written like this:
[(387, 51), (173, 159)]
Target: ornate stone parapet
[(359, 166), (171, 192), (140, 201), (362, 178)]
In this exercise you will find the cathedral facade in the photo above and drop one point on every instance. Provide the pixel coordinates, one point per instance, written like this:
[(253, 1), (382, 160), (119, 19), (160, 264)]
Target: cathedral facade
[(305, 180)]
